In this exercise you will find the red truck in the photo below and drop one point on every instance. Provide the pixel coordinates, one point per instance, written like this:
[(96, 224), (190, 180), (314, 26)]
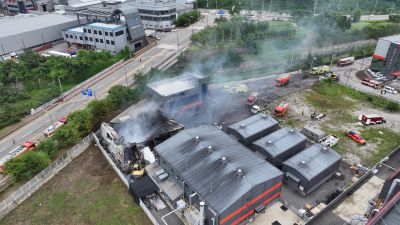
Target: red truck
[(281, 109), (282, 81), (345, 61), (355, 137), (371, 119), (252, 99)]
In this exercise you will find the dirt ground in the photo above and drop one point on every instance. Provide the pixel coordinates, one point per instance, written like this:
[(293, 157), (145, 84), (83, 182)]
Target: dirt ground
[(337, 121), (87, 191)]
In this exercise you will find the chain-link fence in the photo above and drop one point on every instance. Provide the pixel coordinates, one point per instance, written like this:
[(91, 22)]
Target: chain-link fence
[(35, 183)]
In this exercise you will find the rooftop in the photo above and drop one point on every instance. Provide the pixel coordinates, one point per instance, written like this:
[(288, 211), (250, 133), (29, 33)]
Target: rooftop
[(253, 125), (280, 141), (76, 29), (393, 38), (105, 25), (313, 160), (16, 25), (209, 164), (389, 214), (176, 84)]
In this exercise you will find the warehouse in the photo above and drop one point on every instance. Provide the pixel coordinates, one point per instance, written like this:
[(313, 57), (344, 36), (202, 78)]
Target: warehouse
[(280, 145), (180, 95), (311, 167), (385, 57), (31, 31), (253, 128), (213, 168)]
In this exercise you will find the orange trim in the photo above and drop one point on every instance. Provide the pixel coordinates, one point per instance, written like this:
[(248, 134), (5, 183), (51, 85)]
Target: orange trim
[(250, 203), (378, 57), (252, 211)]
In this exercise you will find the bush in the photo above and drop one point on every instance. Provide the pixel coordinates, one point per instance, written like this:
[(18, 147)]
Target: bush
[(66, 135), (49, 146), (185, 19), (82, 120), (394, 18), (121, 96), (392, 106), (27, 165)]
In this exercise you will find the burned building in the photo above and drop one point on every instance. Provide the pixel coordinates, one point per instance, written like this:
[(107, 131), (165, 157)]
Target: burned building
[(180, 95), (126, 137), (253, 128), (217, 172), (386, 56), (280, 145), (389, 214), (311, 167)]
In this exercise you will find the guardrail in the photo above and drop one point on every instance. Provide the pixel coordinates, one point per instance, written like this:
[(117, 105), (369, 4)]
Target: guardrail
[(35, 183)]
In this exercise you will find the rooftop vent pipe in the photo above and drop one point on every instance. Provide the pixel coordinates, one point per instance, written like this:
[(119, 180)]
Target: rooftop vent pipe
[(324, 149), (223, 159), (303, 163), (269, 143), (197, 138), (239, 172), (291, 131), (209, 148), (242, 126)]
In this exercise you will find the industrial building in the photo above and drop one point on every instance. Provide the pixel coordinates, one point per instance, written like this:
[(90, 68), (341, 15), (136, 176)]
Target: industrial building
[(386, 55), (389, 214), (19, 6), (218, 176), (311, 167), (280, 145), (180, 95), (30, 31), (111, 29), (253, 128)]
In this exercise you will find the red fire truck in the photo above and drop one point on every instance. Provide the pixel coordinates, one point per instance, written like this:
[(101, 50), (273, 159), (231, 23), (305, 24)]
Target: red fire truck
[(371, 119)]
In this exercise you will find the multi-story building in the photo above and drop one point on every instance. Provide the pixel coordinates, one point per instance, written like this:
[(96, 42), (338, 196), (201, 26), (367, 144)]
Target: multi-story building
[(19, 6), (111, 28), (386, 56)]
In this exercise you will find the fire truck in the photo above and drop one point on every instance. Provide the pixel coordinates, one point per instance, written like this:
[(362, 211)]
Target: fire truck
[(281, 109), (282, 81), (345, 61), (252, 99), (372, 83), (371, 119), (52, 128)]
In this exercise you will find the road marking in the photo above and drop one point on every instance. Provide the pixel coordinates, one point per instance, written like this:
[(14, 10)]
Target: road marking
[(70, 106)]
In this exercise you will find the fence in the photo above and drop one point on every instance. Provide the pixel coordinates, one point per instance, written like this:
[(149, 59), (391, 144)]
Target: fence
[(35, 183)]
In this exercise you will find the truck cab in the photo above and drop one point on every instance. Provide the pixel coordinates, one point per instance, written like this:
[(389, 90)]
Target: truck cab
[(320, 70), (252, 99), (281, 109)]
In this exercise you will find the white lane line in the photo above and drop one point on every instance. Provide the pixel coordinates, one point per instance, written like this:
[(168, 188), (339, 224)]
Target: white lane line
[(100, 86), (70, 106)]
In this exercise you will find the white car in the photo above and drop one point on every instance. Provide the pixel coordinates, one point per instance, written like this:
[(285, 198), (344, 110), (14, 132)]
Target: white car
[(390, 90), (255, 109)]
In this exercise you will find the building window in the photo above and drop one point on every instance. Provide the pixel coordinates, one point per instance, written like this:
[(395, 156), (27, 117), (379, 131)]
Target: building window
[(111, 34), (100, 33), (106, 33), (91, 39), (97, 40), (119, 33), (86, 38), (95, 31), (80, 38), (89, 31), (84, 30), (108, 42), (112, 42), (76, 37), (101, 41)]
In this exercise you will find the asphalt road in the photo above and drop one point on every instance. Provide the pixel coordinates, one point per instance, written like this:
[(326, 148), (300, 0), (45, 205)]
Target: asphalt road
[(348, 78), (166, 47)]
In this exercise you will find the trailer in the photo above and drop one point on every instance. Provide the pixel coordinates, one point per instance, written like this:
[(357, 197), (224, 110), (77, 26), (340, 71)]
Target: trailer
[(345, 61), (371, 119)]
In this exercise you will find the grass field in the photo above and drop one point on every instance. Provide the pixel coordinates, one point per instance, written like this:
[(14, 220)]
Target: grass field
[(87, 191)]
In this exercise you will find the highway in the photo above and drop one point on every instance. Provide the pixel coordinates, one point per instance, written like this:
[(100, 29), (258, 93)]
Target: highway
[(167, 47)]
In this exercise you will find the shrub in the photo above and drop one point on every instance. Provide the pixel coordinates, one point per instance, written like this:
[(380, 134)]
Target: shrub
[(49, 146), (188, 18), (392, 106), (66, 135), (25, 166)]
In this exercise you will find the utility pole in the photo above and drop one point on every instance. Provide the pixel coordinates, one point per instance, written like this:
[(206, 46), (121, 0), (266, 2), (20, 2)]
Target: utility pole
[(348, 76), (332, 60), (291, 61), (59, 82), (207, 4), (191, 23), (391, 10), (216, 4), (270, 6), (357, 5), (126, 76), (177, 38), (315, 6), (339, 6)]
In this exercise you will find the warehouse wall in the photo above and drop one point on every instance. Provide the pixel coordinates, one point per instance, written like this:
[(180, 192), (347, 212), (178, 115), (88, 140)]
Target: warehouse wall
[(33, 38)]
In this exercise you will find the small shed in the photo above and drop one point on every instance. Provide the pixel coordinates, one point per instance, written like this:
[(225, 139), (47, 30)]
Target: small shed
[(313, 133), (310, 168), (253, 128), (280, 145)]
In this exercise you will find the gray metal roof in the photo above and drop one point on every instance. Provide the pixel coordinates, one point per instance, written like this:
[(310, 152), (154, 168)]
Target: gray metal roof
[(280, 141), (202, 168), (313, 160), (176, 84), (393, 38), (253, 125), (17, 25)]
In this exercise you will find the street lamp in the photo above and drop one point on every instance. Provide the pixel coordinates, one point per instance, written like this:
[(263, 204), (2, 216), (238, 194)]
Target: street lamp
[(332, 60), (191, 23), (48, 113), (126, 76), (312, 61), (177, 39), (62, 92)]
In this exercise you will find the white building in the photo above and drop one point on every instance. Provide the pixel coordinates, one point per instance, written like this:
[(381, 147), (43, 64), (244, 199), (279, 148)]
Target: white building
[(101, 36), (30, 31), (19, 6)]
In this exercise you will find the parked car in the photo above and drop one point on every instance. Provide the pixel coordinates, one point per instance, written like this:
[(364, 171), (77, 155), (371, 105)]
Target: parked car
[(356, 137)]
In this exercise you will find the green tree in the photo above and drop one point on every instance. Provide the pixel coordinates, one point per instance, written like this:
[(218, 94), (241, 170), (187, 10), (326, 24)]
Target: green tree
[(48, 146), (121, 96), (82, 120), (25, 166), (185, 19), (392, 106), (356, 16), (66, 135), (100, 110), (343, 22)]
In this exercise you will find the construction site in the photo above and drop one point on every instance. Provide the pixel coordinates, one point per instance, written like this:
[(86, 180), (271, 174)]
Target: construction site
[(252, 151)]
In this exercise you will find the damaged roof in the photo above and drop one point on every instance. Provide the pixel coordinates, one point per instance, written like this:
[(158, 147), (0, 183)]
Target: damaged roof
[(176, 84), (210, 163), (313, 160), (253, 125), (280, 141)]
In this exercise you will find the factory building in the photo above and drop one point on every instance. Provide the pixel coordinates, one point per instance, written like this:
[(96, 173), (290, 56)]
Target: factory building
[(386, 55), (180, 95), (218, 175), (30, 31), (280, 145), (253, 128), (112, 29), (311, 167)]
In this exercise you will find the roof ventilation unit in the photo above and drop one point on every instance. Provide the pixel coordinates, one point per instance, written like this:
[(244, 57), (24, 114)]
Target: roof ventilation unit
[(197, 139), (291, 131), (303, 163), (210, 149), (242, 126), (239, 172), (223, 160), (268, 143)]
